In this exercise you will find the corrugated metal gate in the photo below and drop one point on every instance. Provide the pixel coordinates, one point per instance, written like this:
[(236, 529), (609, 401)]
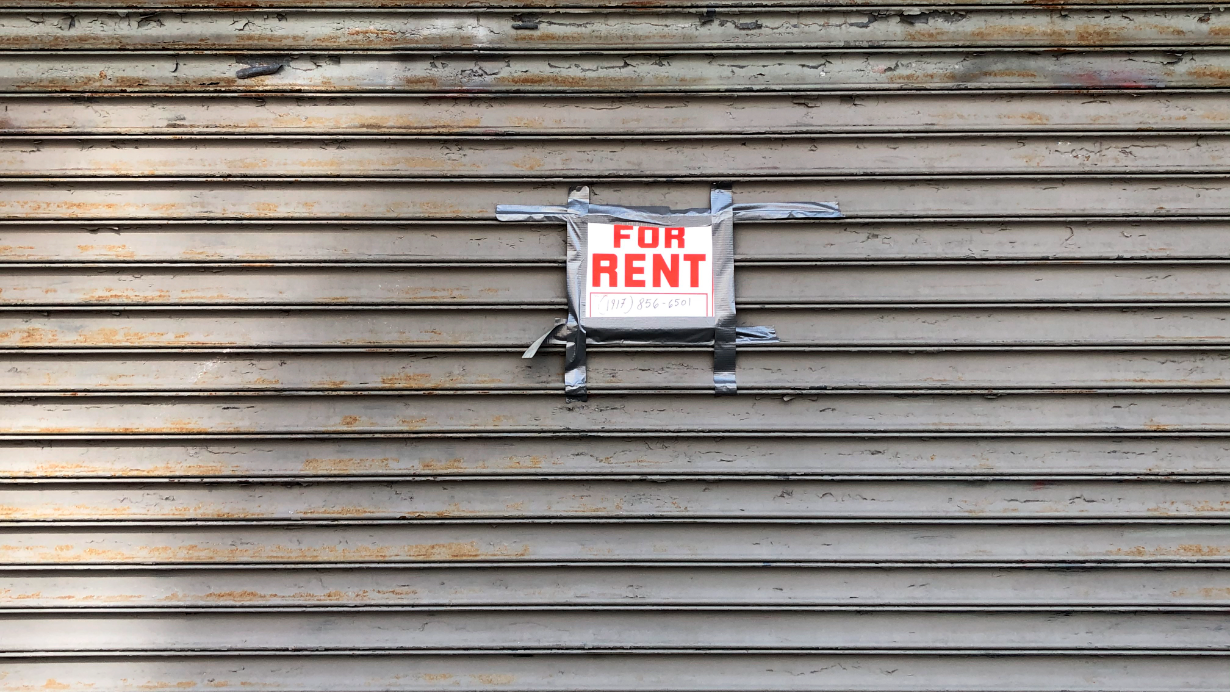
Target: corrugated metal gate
[(264, 424)]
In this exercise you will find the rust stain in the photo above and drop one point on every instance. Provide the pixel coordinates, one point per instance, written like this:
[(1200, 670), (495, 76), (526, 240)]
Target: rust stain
[(408, 379), (338, 512), (1215, 74), (528, 163), (922, 77), (330, 384), (30, 336), (1210, 593), (20, 251), (118, 337), (1184, 550), (493, 679), (214, 553), (351, 465), (1033, 118), (108, 295), (454, 464)]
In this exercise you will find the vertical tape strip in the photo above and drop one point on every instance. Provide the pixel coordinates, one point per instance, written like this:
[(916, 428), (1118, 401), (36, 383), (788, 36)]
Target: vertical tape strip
[(721, 210), (575, 377)]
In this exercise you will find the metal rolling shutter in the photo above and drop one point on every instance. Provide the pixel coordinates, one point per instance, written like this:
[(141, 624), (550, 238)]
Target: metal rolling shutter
[(264, 425)]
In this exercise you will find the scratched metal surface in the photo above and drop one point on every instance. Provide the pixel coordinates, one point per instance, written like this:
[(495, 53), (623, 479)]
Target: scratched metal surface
[(264, 424), (964, 111), (665, 28)]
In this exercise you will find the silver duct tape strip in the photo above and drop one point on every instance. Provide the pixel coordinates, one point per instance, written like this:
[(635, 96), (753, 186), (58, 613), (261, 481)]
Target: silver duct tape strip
[(576, 333), (777, 211), (721, 215), (575, 375)]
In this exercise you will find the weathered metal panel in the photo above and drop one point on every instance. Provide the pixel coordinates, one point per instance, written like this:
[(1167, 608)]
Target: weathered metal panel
[(632, 672), (501, 157), (434, 589), (476, 412), (231, 5), (991, 455), (709, 499), (264, 423), (42, 635), (379, 327), (628, 114), (669, 29), (271, 242), (606, 542), (526, 284), (496, 369), (905, 456), (119, 200), (615, 71)]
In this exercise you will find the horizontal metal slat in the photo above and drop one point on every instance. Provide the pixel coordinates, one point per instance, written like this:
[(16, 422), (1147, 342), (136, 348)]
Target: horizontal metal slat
[(645, 113), (521, 587), (508, 499), (909, 326), (485, 241), (485, 370), (743, 156), (502, 30), (634, 673), (43, 635), (533, 285), (115, 200), (537, 4), (539, 456), (510, 285), (694, 412), (100, 72), (615, 543), (303, 242), (246, 329)]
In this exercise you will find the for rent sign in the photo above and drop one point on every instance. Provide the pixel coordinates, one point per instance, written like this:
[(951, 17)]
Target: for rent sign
[(635, 270)]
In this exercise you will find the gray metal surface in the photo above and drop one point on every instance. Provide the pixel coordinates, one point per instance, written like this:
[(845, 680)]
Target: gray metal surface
[(572, 29), (617, 70), (628, 114), (264, 424)]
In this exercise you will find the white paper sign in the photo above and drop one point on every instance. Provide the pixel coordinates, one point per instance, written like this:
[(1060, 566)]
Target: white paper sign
[(635, 270)]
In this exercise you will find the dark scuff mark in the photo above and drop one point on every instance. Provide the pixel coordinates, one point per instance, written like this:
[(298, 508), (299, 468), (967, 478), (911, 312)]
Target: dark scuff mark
[(259, 70)]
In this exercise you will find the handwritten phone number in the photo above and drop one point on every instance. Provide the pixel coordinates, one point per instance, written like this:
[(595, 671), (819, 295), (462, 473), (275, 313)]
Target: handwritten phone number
[(636, 305)]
